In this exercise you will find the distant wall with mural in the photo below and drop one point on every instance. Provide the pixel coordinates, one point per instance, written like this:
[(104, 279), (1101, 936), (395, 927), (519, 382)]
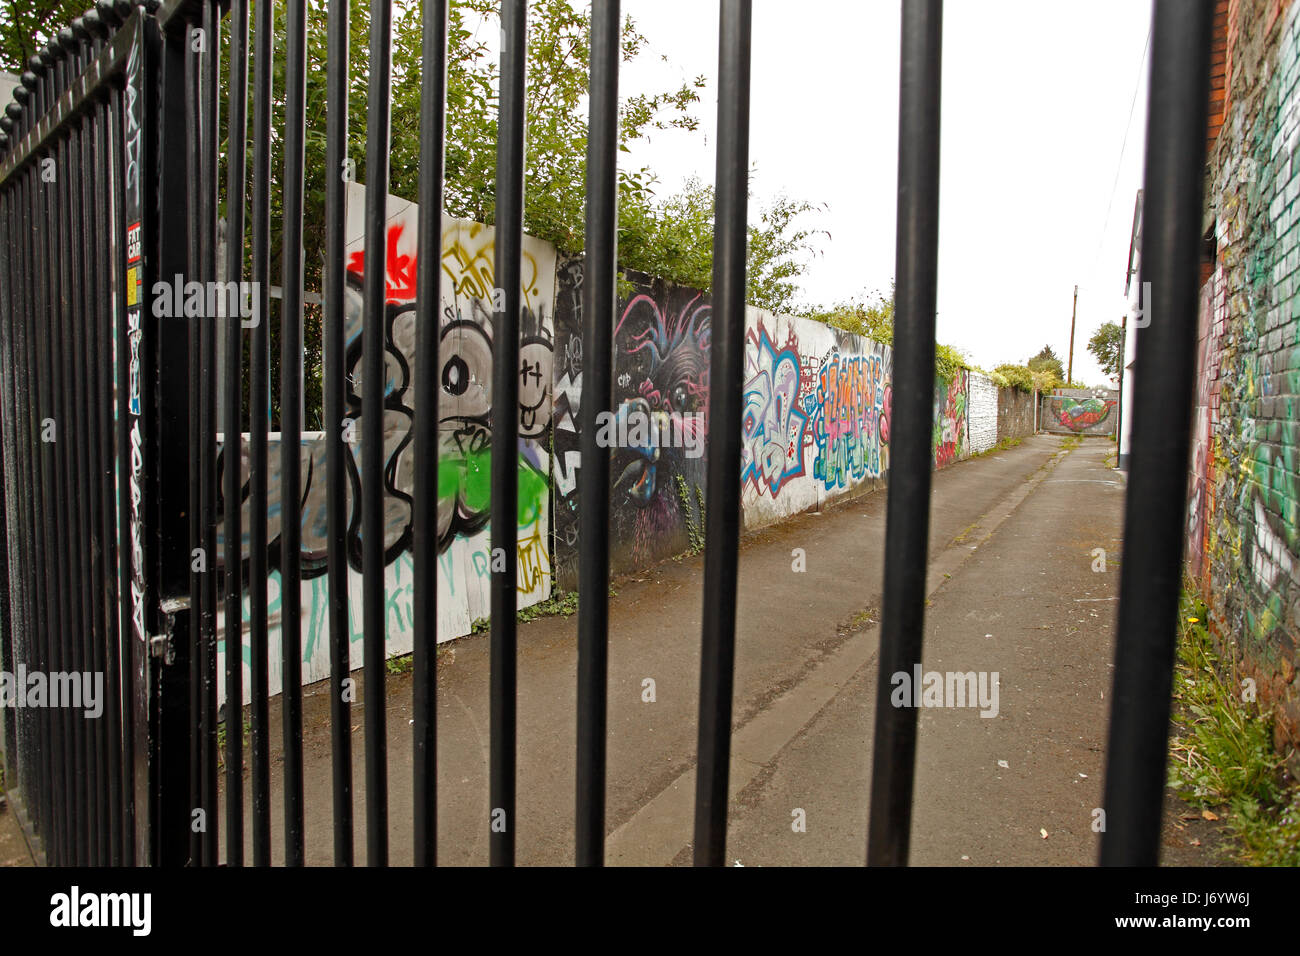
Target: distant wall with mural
[(1080, 411), (465, 429), (1243, 507)]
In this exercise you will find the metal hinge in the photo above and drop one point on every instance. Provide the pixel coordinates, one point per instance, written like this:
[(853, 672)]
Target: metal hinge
[(162, 646)]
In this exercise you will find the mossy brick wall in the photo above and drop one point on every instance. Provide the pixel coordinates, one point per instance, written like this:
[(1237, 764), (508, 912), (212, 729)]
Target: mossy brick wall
[(1015, 413), (1244, 484)]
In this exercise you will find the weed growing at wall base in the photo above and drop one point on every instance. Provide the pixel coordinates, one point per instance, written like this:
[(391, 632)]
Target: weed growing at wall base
[(1221, 752)]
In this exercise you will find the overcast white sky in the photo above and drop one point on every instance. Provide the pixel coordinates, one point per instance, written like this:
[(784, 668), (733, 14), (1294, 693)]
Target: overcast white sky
[(1040, 159)]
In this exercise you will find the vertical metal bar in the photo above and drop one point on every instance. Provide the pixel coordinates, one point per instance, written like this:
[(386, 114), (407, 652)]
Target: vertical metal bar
[(509, 222), (87, 538), (726, 359), (100, 323), (209, 68), (194, 383), (433, 76), (45, 235), (84, 28), (31, 252), (52, 412), (81, 436), (236, 160), (291, 370), (337, 174), (130, 164), (372, 435), (12, 644), (31, 249), (1164, 378), (908, 510), (599, 291), (33, 730), (28, 250), (67, 426), (259, 361), (98, 320)]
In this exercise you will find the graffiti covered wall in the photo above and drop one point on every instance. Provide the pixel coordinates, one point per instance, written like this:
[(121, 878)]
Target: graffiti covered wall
[(815, 427), (465, 430), (815, 419), (661, 373), (951, 438), (1080, 411), (816, 415), (1244, 482)]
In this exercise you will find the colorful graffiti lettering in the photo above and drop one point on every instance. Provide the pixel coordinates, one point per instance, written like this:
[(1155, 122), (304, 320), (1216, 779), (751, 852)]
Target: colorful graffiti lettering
[(848, 407)]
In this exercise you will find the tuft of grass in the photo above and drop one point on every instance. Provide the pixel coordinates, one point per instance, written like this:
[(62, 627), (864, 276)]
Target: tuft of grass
[(694, 530), (1221, 752), (560, 602), (1070, 442), (221, 740), (961, 538), (400, 665)]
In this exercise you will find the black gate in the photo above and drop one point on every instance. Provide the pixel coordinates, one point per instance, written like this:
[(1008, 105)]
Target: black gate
[(110, 159)]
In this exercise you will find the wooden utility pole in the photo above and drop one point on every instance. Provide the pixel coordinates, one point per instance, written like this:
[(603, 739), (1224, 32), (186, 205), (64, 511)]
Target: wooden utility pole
[(1069, 372)]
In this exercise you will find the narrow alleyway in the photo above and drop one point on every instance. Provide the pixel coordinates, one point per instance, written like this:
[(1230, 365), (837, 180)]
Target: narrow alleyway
[(1012, 590)]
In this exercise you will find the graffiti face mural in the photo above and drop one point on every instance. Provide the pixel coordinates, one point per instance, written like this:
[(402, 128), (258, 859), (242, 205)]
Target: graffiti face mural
[(666, 364), (661, 376), (464, 373)]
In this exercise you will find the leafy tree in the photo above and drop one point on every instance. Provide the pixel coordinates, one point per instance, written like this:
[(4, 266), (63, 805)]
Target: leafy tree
[(1047, 361), (1105, 346), (674, 240), (872, 317), (671, 237), (1025, 378), (28, 25)]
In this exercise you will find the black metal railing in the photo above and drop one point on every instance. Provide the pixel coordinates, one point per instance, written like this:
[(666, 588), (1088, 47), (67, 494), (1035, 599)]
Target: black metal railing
[(111, 163)]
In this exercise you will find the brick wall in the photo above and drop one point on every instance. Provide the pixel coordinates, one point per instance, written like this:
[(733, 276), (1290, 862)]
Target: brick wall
[(982, 405), (1015, 413), (1244, 481)]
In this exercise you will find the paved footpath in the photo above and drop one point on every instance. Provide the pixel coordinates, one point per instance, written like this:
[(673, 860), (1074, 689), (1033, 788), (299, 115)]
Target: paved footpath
[(1012, 590)]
